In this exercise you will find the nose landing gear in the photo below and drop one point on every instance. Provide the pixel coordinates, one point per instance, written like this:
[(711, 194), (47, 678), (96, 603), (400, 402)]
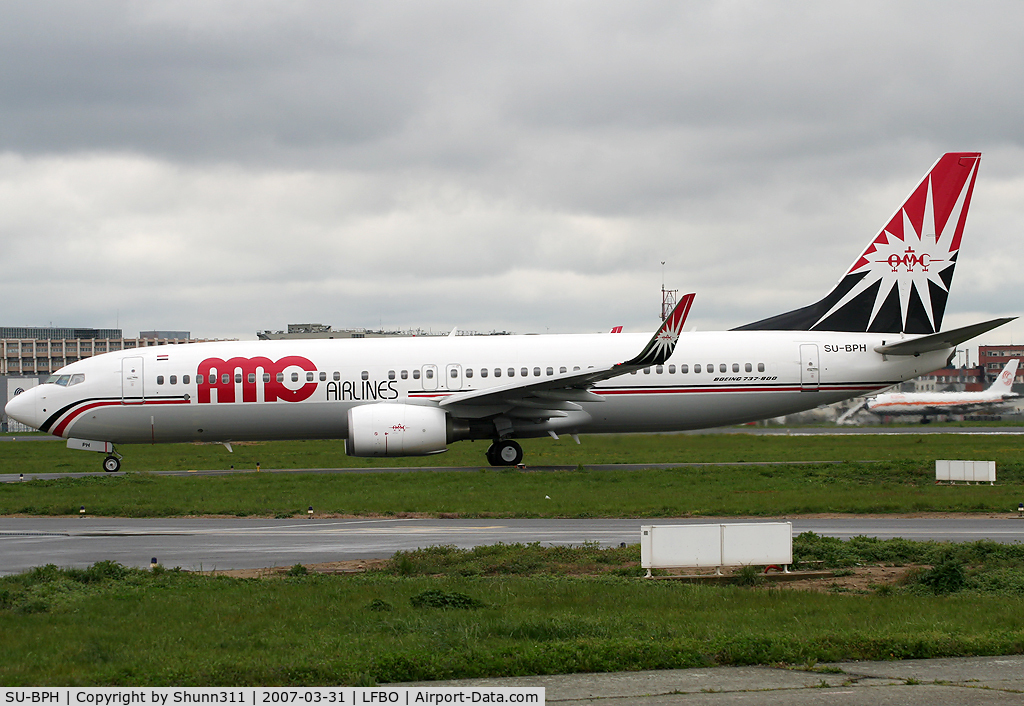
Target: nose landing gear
[(112, 463)]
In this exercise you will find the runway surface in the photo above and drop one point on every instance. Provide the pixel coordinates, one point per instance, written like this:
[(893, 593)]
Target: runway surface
[(257, 543)]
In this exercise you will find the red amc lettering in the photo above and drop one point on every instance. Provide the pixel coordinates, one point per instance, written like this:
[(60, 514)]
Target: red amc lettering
[(218, 374)]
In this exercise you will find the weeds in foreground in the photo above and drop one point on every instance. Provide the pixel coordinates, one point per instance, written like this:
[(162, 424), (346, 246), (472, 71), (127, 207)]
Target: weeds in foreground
[(110, 624)]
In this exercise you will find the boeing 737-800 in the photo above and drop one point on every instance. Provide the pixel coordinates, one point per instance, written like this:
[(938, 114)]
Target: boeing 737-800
[(414, 396)]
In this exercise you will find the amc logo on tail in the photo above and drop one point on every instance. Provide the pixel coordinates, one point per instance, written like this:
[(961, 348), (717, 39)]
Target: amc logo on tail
[(225, 375)]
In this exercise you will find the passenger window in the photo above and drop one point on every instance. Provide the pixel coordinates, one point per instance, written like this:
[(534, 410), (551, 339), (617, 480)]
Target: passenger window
[(80, 377), (295, 377), (405, 374), (551, 371), (252, 378), (760, 367), (159, 379), (266, 378), (224, 379), (200, 379), (647, 370), (238, 377), (562, 369), (323, 376), (575, 368), (536, 372), (173, 380), (280, 377), (497, 372), (336, 376), (483, 372), (747, 367), (415, 374), (391, 375), (469, 372), (735, 367), (659, 369), (430, 374), (671, 370), (454, 373), (696, 368), (366, 376), (184, 379), (684, 369), (511, 372), (309, 377), (524, 371), (632, 372), (721, 367)]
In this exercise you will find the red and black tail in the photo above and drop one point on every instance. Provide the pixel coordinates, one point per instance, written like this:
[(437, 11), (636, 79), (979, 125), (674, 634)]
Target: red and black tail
[(901, 281)]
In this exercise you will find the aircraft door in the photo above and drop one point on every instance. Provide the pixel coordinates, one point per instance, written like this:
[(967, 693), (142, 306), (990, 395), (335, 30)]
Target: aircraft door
[(453, 376), (429, 377), (132, 391), (809, 368)]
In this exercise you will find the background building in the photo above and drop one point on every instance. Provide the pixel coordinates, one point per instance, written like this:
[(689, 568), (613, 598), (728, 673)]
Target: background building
[(994, 358), (325, 331)]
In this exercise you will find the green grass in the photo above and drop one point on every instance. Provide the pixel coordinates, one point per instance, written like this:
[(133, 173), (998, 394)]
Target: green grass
[(896, 476), (114, 626), (48, 457)]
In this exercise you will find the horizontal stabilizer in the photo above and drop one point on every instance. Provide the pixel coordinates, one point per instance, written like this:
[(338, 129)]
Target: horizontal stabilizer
[(938, 341)]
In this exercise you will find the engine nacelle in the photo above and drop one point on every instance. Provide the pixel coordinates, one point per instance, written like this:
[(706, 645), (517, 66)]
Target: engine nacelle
[(396, 430)]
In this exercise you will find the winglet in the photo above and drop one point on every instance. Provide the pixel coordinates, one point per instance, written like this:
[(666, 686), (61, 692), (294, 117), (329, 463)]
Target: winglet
[(664, 340)]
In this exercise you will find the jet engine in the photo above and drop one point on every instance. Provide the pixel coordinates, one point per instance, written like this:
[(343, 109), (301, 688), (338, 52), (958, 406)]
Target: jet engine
[(397, 430)]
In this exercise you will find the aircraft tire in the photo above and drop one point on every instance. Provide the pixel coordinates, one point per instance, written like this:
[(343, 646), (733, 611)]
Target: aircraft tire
[(506, 453), (111, 464)]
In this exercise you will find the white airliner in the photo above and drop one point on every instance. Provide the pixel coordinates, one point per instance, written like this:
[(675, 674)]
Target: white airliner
[(414, 396), (925, 403)]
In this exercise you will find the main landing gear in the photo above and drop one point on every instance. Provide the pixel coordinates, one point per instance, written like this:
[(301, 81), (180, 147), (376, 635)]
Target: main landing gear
[(505, 452)]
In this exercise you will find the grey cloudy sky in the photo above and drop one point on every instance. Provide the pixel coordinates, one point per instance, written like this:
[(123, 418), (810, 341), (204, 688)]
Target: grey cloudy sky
[(226, 167)]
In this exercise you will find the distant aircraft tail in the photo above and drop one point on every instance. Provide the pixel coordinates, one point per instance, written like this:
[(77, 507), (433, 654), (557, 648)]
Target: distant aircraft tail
[(899, 284), (1004, 382)]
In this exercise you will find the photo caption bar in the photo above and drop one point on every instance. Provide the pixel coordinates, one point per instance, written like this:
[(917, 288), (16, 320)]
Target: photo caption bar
[(269, 696)]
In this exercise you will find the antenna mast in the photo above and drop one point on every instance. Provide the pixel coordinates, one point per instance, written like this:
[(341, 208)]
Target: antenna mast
[(668, 296)]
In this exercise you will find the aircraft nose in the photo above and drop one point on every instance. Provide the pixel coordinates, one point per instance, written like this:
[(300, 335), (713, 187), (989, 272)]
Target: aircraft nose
[(24, 409)]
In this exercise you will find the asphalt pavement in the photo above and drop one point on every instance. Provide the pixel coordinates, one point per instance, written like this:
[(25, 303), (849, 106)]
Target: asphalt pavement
[(971, 681), (219, 543)]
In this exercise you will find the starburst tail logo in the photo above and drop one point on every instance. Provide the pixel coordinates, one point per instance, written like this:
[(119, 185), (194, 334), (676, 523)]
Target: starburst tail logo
[(901, 281)]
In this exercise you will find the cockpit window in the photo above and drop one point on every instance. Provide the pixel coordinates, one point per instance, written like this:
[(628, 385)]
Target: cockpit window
[(51, 380), (63, 380), (76, 379)]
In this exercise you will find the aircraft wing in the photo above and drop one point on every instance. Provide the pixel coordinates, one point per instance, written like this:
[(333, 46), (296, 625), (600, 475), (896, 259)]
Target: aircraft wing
[(938, 341), (557, 395)]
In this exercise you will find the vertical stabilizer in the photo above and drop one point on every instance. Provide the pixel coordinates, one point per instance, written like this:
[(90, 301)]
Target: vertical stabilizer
[(900, 282), (1004, 383)]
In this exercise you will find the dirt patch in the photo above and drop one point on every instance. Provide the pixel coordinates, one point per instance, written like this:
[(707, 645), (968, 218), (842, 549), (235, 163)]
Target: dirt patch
[(331, 567), (864, 579), (855, 580)]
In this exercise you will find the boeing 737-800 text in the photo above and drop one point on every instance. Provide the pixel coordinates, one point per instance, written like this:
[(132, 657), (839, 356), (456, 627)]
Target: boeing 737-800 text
[(414, 396)]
